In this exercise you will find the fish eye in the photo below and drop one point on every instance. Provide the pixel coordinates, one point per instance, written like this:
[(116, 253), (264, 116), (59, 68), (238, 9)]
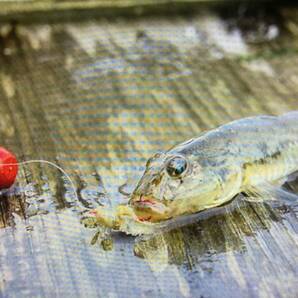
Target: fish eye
[(176, 166)]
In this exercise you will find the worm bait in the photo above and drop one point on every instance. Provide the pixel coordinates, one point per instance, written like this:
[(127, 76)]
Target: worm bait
[(243, 156)]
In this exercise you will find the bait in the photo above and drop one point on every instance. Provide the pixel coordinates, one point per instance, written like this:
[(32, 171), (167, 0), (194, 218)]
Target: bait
[(251, 155)]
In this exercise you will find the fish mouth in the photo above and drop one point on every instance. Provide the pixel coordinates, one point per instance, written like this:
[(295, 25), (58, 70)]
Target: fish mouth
[(148, 208)]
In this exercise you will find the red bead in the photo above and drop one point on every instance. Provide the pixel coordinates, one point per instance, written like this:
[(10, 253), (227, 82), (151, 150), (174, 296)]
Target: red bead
[(8, 168)]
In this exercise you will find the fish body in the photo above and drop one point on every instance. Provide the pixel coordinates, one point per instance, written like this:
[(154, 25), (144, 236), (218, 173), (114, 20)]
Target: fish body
[(209, 171), (223, 162)]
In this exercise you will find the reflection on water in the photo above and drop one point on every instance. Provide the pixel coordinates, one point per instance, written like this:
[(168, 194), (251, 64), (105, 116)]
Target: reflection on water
[(205, 236)]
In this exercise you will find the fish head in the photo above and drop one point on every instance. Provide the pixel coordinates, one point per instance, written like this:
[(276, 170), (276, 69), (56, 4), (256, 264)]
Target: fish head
[(173, 184)]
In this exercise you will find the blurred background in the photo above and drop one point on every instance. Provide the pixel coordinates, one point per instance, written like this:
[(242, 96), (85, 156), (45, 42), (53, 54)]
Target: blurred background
[(97, 87)]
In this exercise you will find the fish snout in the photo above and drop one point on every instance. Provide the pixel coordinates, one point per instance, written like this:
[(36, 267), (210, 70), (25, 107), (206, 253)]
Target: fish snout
[(148, 208)]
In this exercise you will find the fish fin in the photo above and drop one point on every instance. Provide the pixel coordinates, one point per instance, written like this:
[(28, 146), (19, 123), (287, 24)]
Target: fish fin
[(254, 199), (286, 195), (270, 192), (256, 194)]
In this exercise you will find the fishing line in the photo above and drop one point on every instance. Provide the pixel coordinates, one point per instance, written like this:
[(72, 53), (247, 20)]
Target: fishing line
[(41, 161)]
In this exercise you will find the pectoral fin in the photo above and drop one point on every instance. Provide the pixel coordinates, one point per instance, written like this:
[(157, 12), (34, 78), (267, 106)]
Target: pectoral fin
[(270, 192)]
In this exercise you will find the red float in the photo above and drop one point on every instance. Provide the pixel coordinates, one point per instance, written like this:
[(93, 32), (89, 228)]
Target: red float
[(8, 168)]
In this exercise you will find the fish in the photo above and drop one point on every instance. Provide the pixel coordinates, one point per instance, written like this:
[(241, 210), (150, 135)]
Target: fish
[(251, 155)]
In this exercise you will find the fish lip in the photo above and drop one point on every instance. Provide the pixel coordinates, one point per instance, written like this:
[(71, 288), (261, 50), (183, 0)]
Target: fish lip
[(149, 202), (144, 201)]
